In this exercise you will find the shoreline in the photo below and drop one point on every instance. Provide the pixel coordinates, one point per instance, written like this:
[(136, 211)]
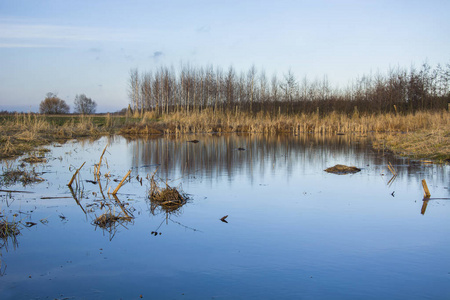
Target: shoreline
[(423, 135)]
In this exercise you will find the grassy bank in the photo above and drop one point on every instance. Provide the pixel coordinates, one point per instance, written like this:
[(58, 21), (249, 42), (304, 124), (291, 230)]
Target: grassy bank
[(22, 133), (419, 135), (431, 144)]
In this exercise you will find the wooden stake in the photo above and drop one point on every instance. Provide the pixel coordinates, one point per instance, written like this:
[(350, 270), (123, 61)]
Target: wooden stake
[(426, 191), (74, 175), (120, 184)]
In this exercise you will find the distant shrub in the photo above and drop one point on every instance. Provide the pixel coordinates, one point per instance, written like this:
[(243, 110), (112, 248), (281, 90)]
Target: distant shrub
[(53, 105)]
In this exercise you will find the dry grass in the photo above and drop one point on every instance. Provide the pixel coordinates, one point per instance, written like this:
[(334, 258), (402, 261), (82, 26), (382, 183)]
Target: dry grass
[(34, 159), (168, 199), (9, 231), (209, 121), (12, 176), (24, 132), (420, 135), (108, 220), (423, 144)]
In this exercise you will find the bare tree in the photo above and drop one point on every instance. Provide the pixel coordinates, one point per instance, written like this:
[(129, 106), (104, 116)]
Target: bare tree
[(134, 92), (84, 105), (53, 105)]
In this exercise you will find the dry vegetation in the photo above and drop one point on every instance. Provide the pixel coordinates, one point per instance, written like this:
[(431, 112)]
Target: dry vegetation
[(24, 132), (208, 121), (12, 176), (167, 199), (431, 144), (8, 231), (427, 132)]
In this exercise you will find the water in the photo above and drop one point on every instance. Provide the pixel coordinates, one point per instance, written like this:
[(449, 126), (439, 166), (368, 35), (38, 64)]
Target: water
[(293, 231)]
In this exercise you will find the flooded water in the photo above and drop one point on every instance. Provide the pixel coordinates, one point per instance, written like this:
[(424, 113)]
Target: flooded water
[(293, 231)]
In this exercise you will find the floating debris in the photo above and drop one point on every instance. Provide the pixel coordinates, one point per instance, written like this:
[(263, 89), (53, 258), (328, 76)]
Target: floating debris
[(342, 170), (241, 149), (30, 224), (224, 219)]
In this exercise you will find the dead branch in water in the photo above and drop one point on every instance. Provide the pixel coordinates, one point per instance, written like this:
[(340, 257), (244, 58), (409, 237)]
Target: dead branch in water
[(13, 191)]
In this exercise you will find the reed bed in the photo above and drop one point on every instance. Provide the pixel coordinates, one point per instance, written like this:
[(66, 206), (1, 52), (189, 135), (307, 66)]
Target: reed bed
[(209, 121), (24, 132)]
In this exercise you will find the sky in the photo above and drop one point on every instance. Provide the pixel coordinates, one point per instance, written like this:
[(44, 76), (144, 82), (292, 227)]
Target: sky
[(89, 47)]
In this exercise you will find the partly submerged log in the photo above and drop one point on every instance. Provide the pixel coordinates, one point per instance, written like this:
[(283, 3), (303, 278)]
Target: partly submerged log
[(342, 170)]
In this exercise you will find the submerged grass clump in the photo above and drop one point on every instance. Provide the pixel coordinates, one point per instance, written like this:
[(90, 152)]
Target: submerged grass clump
[(34, 159), (168, 199), (108, 220), (9, 231), (12, 176)]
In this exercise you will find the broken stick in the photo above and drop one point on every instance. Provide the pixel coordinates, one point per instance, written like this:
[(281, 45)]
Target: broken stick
[(426, 191), (74, 175), (120, 184), (100, 162)]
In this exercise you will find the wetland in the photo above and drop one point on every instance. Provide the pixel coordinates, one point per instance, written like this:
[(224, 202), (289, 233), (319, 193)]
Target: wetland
[(254, 216)]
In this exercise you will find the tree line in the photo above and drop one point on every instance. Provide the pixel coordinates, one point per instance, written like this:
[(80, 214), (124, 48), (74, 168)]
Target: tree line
[(52, 104), (166, 90)]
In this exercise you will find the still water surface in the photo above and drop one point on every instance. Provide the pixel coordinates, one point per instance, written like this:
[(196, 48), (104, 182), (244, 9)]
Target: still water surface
[(293, 231)]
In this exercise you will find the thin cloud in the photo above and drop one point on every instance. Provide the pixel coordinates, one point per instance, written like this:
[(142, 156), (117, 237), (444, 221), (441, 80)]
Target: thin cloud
[(14, 35), (157, 54), (27, 45)]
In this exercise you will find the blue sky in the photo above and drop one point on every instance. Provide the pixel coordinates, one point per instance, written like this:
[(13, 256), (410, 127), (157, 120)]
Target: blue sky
[(74, 47)]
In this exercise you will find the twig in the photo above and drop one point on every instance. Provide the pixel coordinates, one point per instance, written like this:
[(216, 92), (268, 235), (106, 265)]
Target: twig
[(391, 168), (12, 191), (73, 177), (120, 184)]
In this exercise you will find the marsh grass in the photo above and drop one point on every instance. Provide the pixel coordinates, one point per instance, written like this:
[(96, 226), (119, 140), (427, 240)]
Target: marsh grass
[(424, 144), (12, 176), (109, 219), (22, 133), (32, 159), (9, 231), (164, 197), (209, 121)]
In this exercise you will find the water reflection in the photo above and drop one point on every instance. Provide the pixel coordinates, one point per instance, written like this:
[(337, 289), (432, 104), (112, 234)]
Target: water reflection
[(218, 155)]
